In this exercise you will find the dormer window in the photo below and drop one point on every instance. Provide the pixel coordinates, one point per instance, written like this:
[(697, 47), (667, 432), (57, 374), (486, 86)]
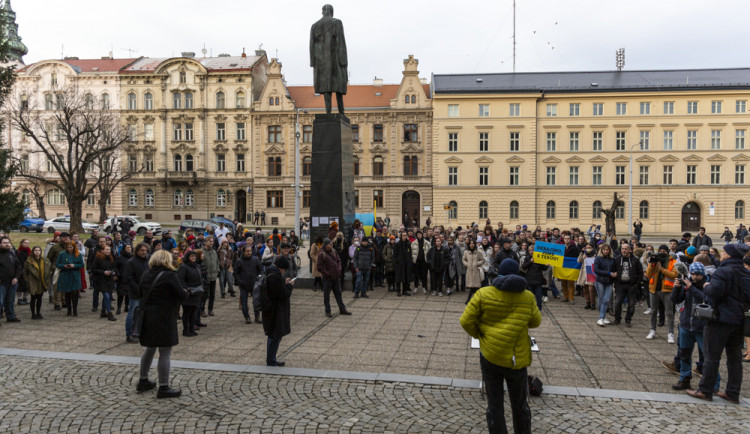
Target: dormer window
[(183, 77), (219, 100), (53, 79)]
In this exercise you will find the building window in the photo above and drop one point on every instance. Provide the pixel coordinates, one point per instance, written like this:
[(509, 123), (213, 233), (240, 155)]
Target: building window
[(645, 141), (355, 160), (597, 175), (189, 198), (551, 109), (597, 209), (551, 141), (643, 210), (515, 109), (739, 210), (551, 175), (221, 198), (219, 100), (619, 175), (221, 162), (598, 140), (515, 141), (739, 139), (645, 108), (148, 101), (132, 163), (484, 110), (715, 174), (484, 176), (715, 139), (133, 198), (575, 109), (452, 142), (55, 197), (716, 107), (377, 198), (573, 175), (355, 133), (148, 163), (453, 110), (356, 198), (514, 210), (132, 103), (306, 198), (692, 171), (307, 134), (574, 140), (377, 133), (573, 210), (148, 132), (189, 163), (739, 174), (24, 165), (598, 109), (177, 163), (453, 212), (620, 212), (377, 166), (643, 175), (622, 108), (692, 139), (176, 100), (668, 140), (188, 100), (105, 101), (178, 198), (240, 99), (176, 131), (514, 175), (484, 142), (274, 134), (221, 132), (189, 131), (550, 210), (692, 107), (149, 197), (453, 175), (274, 199), (274, 166), (620, 140), (411, 133), (483, 209), (306, 166), (667, 175), (270, 100), (668, 107), (88, 100), (132, 133), (240, 131), (740, 106), (48, 102), (183, 77), (411, 165), (240, 162)]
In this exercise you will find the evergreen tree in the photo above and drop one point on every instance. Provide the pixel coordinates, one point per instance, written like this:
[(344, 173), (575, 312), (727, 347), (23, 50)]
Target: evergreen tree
[(11, 204)]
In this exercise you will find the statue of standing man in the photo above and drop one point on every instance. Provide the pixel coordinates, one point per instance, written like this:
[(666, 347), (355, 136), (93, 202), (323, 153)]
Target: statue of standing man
[(328, 58)]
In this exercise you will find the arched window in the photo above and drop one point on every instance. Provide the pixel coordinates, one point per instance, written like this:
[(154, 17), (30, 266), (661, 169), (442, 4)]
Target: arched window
[(483, 209), (219, 100), (189, 163), (306, 166), (148, 101), (573, 214), (411, 165), (620, 212), (178, 198), (514, 210), (105, 101), (240, 99), (276, 101), (132, 105), (597, 208), (453, 213), (89, 101), (149, 197), (406, 99), (643, 210), (177, 100), (189, 198), (221, 198), (413, 99), (356, 165), (188, 100), (739, 210), (551, 210), (26, 197), (377, 166), (178, 163), (270, 100), (133, 198)]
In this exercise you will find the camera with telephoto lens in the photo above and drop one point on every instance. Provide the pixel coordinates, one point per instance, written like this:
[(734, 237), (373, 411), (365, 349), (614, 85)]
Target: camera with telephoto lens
[(659, 257)]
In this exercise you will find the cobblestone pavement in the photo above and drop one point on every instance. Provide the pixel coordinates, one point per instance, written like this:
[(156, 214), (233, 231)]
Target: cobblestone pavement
[(46, 395)]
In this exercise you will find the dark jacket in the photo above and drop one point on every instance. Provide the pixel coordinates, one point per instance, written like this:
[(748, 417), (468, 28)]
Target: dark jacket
[(727, 236), (101, 282), (635, 271), (190, 276), (364, 257), (602, 267), (438, 260), (160, 309), (329, 264), (121, 261), (502, 255), (131, 276), (699, 241), (91, 243), (276, 316), (724, 293), (534, 272), (402, 261), (246, 272), (691, 296), (10, 267), (572, 251)]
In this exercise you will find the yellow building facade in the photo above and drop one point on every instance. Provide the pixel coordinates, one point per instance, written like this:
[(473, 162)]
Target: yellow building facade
[(551, 149)]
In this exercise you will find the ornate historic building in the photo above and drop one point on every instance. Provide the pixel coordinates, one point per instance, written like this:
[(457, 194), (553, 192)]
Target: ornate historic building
[(392, 130)]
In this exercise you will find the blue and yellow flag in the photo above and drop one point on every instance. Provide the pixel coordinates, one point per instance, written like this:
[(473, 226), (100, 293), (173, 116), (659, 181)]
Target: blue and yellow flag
[(553, 254)]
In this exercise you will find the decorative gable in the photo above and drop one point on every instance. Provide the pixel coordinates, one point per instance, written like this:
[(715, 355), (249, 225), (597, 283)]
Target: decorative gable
[(454, 160), (741, 157), (575, 160), (515, 160), (621, 159), (669, 159), (645, 159), (551, 160), (484, 160), (378, 147), (275, 149), (598, 159), (692, 158), (306, 148), (717, 157), (411, 147)]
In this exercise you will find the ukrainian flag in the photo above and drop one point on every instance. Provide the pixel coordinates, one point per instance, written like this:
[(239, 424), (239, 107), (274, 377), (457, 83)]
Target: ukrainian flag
[(554, 254)]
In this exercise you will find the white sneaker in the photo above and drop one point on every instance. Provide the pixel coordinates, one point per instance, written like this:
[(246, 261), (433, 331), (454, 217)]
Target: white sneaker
[(424, 290), (670, 338), (651, 334), (600, 323), (545, 299), (606, 321), (440, 294), (647, 311), (434, 292)]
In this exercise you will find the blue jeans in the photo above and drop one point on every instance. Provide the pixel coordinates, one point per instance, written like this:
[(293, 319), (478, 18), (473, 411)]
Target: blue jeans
[(687, 342), (7, 300), (537, 290), (225, 279), (95, 299), (244, 294), (129, 318), (106, 301), (604, 292), (363, 279), (272, 347)]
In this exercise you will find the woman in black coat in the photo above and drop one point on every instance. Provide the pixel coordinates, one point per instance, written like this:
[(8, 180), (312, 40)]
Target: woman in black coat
[(122, 288), (104, 270), (276, 311), (402, 264), (160, 292), (190, 276)]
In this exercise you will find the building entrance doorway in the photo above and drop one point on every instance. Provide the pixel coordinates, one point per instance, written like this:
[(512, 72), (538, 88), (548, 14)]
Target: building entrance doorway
[(410, 208), (691, 217), (240, 208)]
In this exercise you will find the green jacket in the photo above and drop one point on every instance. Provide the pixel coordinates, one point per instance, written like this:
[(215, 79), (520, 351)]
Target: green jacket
[(500, 317), (211, 259)]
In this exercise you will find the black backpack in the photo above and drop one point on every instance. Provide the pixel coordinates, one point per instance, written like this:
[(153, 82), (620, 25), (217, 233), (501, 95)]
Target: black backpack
[(535, 386)]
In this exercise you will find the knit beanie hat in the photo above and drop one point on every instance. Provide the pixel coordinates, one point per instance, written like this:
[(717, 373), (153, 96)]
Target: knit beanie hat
[(698, 268), (736, 250), (508, 267), (664, 247), (690, 250)]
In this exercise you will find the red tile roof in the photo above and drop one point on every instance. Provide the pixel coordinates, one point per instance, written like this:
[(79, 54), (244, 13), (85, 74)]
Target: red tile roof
[(100, 65), (357, 96)]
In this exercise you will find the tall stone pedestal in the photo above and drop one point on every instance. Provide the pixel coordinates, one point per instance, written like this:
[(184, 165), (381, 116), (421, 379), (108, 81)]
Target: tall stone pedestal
[(332, 175)]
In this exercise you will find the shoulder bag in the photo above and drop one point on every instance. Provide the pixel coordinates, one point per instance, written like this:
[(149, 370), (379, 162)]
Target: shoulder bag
[(139, 310)]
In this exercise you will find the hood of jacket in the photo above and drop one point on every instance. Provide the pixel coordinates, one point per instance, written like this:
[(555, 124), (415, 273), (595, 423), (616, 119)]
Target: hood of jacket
[(510, 283)]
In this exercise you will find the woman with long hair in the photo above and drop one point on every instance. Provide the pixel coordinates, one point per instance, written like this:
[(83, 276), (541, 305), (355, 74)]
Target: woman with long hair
[(604, 268), (22, 254), (474, 261), (37, 272), (313, 253), (69, 281), (190, 276), (122, 290), (586, 277), (104, 270)]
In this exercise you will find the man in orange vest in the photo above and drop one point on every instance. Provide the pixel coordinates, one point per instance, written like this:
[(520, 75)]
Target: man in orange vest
[(661, 275)]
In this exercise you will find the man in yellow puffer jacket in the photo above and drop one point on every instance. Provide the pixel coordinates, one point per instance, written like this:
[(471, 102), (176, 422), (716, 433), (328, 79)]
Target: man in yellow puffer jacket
[(500, 317)]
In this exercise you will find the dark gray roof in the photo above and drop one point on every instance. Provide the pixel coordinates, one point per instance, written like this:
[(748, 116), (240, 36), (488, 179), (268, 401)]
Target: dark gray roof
[(593, 81)]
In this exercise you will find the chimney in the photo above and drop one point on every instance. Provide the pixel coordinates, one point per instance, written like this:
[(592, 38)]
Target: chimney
[(377, 81), (243, 53), (423, 80), (190, 54)]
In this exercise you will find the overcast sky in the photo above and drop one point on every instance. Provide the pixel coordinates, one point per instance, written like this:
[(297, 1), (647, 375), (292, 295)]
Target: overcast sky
[(446, 36)]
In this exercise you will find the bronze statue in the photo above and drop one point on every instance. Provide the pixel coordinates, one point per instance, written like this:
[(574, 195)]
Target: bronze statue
[(328, 58)]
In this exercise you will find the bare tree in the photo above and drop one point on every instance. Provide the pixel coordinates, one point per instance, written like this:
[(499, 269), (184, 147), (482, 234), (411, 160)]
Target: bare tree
[(38, 190), (609, 215), (111, 174), (71, 134)]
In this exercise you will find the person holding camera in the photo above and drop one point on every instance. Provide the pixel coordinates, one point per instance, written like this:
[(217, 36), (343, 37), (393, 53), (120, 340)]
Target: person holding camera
[(727, 294), (661, 275)]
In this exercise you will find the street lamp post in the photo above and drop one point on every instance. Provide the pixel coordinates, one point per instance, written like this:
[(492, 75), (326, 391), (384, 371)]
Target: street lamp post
[(296, 168), (630, 190)]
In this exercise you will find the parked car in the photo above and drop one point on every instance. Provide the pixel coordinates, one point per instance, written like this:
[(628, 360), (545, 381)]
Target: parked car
[(227, 223), (140, 226), (197, 225), (63, 224), (31, 222)]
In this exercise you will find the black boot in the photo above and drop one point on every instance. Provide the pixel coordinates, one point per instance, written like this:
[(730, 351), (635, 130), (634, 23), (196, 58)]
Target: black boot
[(588, 306), (111, 317), (682, 385), (168, 392), (258, 320), (103, 314), (145, 385)]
